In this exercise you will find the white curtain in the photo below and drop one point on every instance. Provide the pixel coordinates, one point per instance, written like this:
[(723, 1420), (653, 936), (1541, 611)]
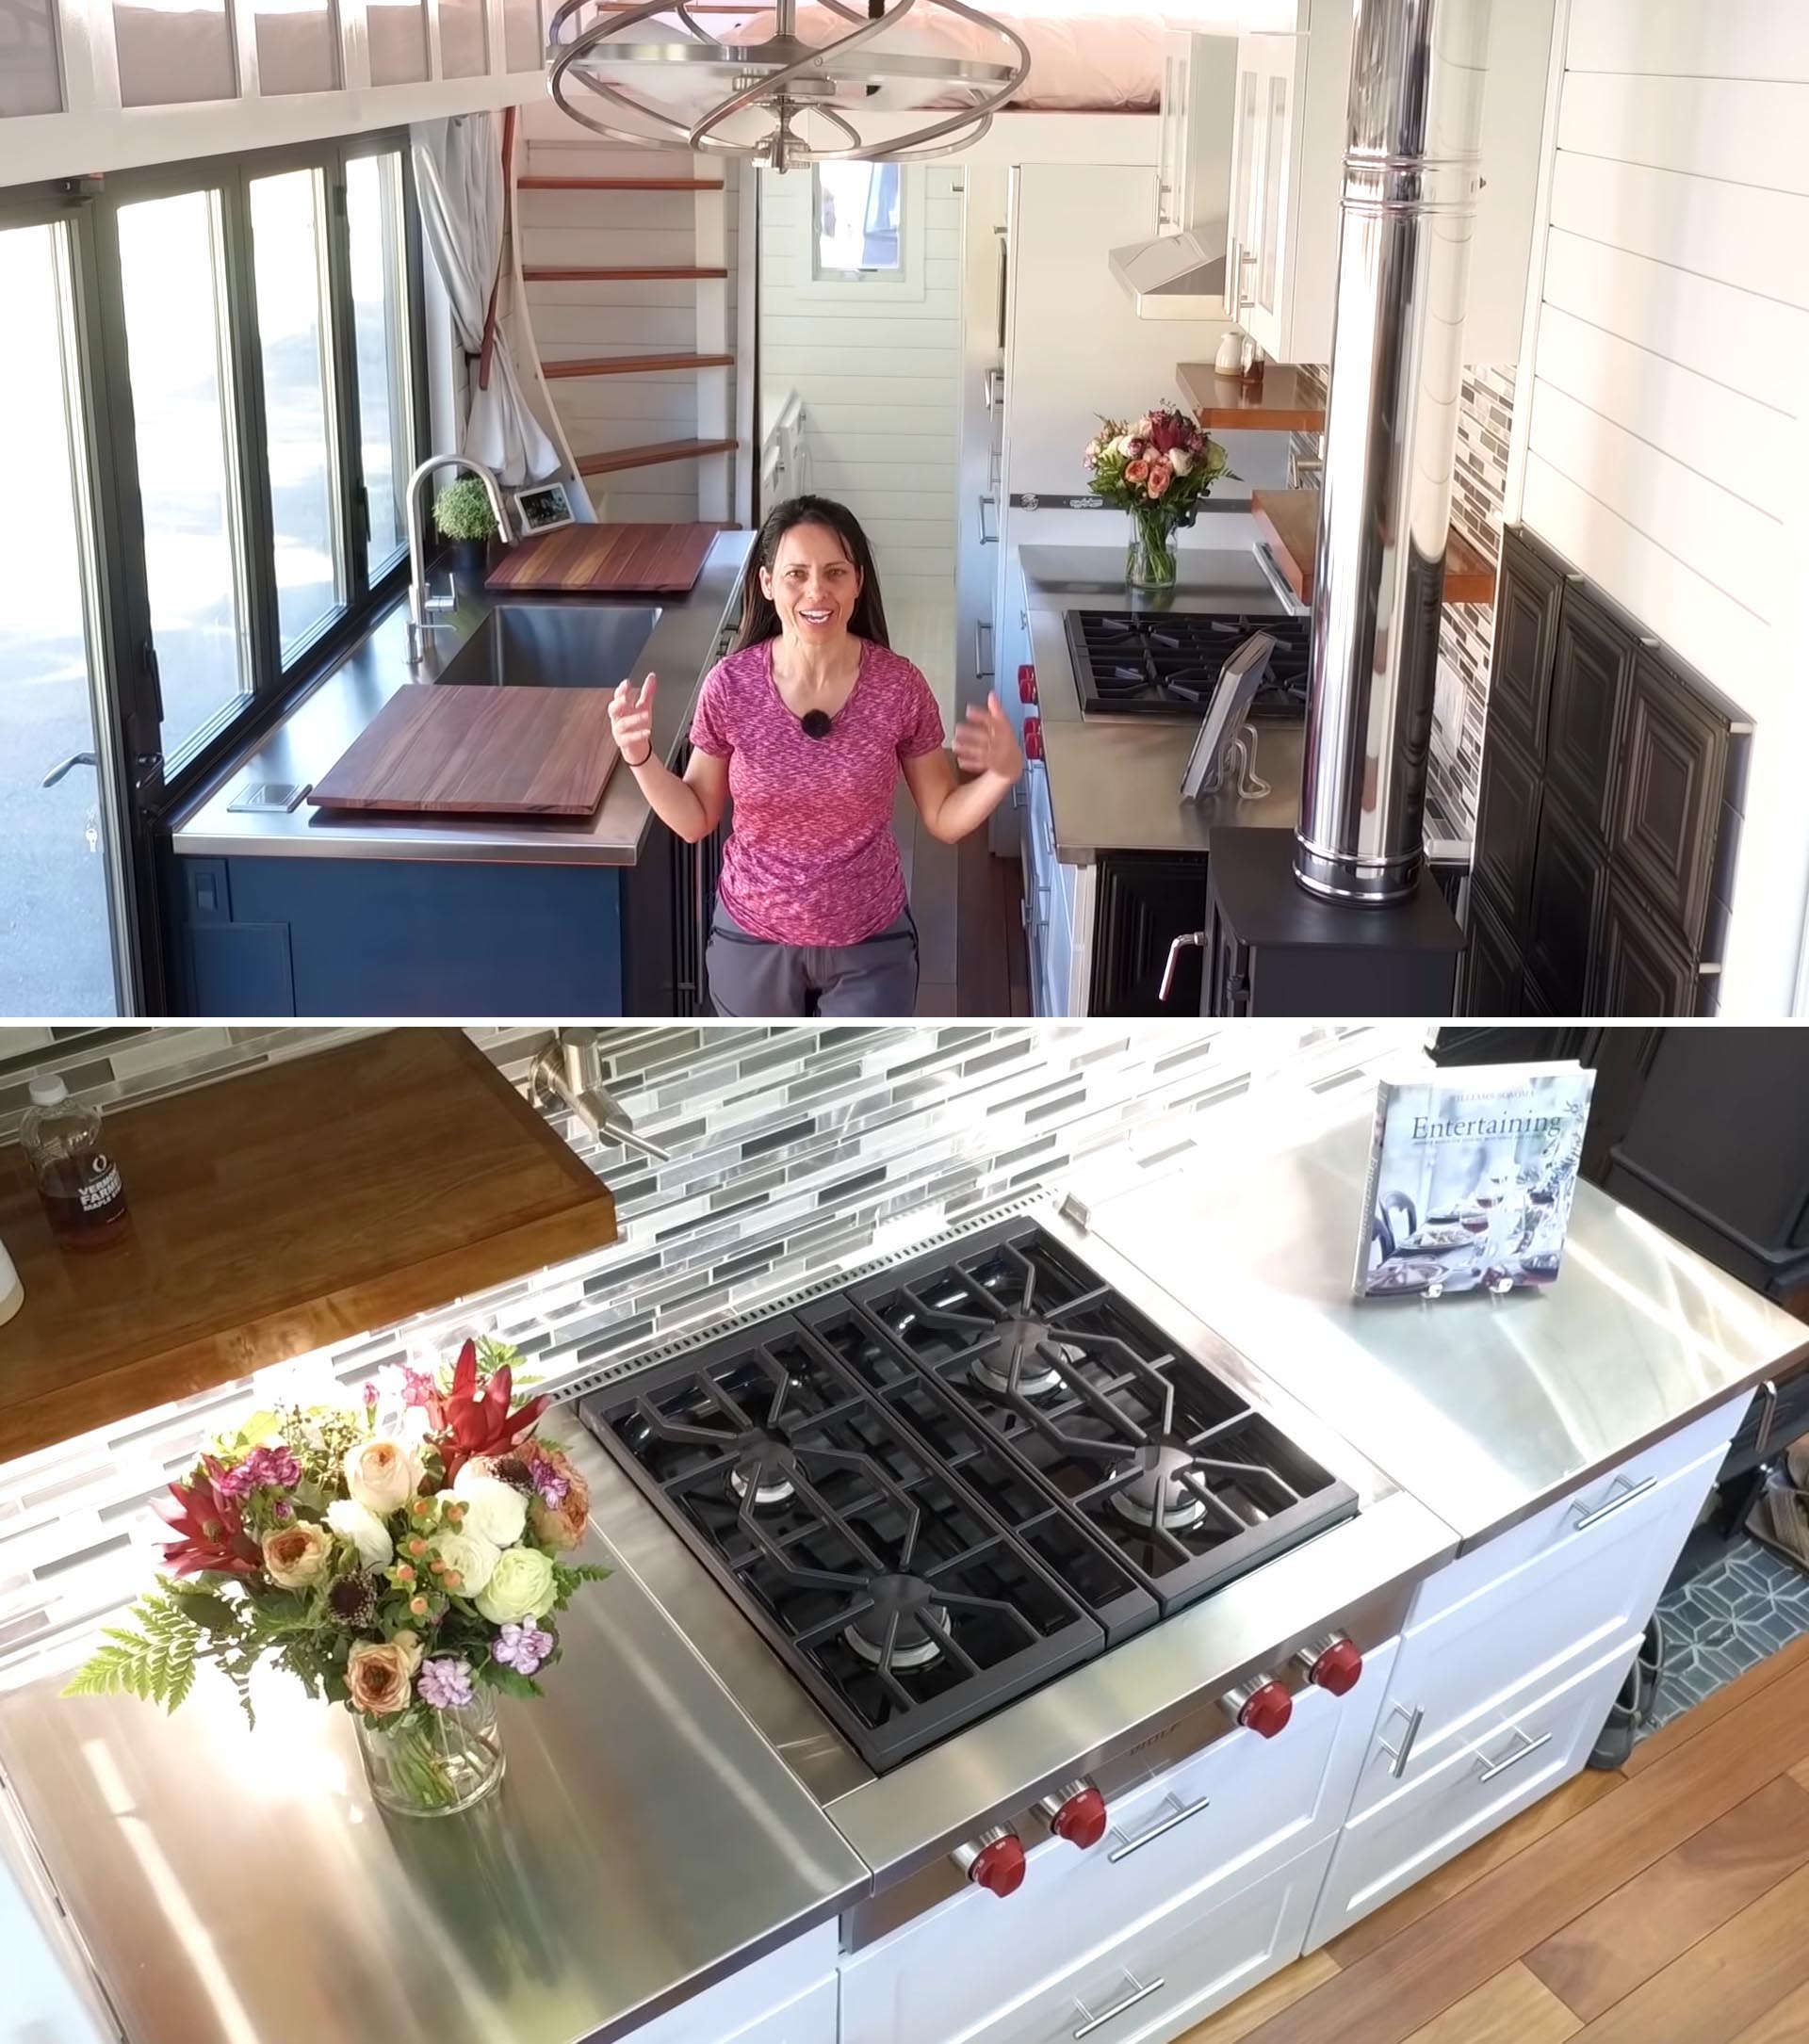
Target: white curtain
[(458, 172)]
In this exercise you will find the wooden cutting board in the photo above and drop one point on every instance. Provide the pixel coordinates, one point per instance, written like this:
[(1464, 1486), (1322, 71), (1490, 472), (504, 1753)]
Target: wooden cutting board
[(278, 1210), (608, 559), (434, 750)]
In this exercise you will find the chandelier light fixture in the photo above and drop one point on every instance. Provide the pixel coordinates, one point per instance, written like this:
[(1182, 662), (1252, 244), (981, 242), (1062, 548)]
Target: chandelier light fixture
[(651, 77)]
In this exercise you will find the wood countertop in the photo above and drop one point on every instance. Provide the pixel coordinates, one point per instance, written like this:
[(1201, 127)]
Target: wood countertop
[(1286, 399), (279, 1210), (1289, 520)]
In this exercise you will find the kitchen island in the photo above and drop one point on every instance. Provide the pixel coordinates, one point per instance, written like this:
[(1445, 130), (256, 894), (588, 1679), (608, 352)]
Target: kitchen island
[(1116, 856), (683, 1819), (287, 910)]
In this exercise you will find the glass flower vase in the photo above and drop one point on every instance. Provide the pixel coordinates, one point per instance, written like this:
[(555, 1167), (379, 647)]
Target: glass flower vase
[(1150, 563), (433, 1763)]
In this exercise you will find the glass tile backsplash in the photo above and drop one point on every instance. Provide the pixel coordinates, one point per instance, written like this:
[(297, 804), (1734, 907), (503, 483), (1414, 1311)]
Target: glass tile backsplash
[(798, 1153)]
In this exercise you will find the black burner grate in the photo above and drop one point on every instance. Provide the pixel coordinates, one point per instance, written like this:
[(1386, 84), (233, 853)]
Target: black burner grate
[(1168, 666), (938, 1490)]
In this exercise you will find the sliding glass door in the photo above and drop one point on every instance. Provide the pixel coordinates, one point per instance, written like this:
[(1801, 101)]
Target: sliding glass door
[(62, 921)]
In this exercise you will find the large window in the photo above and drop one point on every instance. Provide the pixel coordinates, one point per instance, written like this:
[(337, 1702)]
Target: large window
[(270, 365)]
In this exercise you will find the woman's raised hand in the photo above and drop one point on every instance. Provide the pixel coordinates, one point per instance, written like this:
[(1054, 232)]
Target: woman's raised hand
[(985, 742), (631, 721)]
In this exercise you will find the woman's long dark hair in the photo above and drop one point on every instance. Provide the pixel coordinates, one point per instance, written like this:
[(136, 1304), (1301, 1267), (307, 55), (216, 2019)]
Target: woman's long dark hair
[(759, 617)]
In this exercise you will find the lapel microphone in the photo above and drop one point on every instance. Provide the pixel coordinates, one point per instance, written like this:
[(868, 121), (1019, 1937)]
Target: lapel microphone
[(817, 723)]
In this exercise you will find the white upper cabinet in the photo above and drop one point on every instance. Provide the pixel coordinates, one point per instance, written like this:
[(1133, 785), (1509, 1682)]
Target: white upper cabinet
[(1286, 152)]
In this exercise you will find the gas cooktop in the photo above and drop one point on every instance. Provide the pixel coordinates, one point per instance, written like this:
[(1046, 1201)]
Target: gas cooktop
[(937, 1490), (1168, 666)]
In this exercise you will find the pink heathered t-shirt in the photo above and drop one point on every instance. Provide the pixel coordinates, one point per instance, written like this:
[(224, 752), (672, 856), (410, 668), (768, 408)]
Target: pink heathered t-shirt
[(810, 857)]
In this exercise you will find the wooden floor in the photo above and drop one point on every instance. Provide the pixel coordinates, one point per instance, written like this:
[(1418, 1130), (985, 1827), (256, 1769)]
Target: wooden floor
[(970, 929), (1667, 1904)]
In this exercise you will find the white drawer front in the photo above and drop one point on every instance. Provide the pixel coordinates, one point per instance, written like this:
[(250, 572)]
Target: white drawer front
[(809, 2020), (1520, 1636), (1242, 1801), (1507, 1760), (1558, 1524), (1174, 1971), (762, 1992)]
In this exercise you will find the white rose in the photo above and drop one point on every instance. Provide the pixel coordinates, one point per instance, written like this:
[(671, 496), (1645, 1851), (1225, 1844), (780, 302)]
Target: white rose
[(1123, 446), (520, 1587), (469, 1556), (359, 1524), (383, 1474), (1181, 462), (408, 1644), (494, 1510), (1144, 428)]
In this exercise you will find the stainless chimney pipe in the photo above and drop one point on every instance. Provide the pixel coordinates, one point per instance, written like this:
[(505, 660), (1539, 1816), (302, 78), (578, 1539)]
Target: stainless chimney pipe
[(1414, 136)]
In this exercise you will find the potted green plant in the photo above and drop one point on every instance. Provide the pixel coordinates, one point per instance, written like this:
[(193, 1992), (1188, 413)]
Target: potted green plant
[(462, 513)]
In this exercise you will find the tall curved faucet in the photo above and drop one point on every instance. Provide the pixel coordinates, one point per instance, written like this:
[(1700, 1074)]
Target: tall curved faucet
[(420, 603)]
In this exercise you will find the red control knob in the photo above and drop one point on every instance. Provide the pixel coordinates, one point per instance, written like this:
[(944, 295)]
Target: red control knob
[(1338, 1667), (1081, 1820), (1266, 1710), (999, 1866), (1033, 738), (1026, 685)]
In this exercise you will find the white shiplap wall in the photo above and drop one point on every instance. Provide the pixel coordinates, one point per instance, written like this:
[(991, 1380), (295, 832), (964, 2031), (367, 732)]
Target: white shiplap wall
[(1666, 402), (879, 377)]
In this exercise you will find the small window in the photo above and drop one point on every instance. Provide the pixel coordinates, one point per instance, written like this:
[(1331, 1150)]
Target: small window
[(377, 227), (859, 221)]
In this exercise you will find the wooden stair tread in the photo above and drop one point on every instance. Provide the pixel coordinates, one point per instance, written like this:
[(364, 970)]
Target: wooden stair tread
[(633, 365), (547, 181), (650, 457), (536, 273), (1289, 520)]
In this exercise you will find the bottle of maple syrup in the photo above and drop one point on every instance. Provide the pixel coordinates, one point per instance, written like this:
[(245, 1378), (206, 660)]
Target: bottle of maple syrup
[(79, 1177)]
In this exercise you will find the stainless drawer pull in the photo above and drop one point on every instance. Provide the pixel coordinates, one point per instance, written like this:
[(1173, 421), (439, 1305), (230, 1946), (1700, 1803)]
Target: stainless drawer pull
[(1767, 1418), (1397, 1756), (1514, 1759), (1587, 1519), (1129, 1845), (1107, 2015)]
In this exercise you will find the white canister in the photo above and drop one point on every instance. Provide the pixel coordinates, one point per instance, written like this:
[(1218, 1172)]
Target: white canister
[(12, 1292), (1230, 358)]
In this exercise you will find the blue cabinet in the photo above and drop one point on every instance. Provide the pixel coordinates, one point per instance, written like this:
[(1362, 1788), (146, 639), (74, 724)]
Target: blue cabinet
[(265, 936)]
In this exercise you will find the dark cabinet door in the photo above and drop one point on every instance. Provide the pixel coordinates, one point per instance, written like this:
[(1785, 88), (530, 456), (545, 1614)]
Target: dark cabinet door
[(1563, 909), (1667, 814), (1492, 972), (1506, 826), (1143, 905), (1527, 591), (1642, 969), (1592, 660)]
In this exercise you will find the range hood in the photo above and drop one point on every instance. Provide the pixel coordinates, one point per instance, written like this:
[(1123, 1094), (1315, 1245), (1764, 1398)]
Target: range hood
[(1175, 276)]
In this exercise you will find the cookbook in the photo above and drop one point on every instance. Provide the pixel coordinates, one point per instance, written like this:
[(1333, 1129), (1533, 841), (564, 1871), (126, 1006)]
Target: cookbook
[(1472, 1171)]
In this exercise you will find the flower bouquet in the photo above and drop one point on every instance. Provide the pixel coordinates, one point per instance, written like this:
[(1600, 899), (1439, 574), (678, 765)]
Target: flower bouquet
[(403, 1561), (1159, 468)]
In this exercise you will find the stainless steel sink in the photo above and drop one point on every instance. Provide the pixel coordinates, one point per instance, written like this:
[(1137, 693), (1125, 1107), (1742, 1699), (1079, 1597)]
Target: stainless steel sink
[(543, 645)]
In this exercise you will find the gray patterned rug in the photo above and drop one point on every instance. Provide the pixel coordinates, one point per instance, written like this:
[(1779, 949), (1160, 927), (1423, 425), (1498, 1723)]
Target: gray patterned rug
[(1725, 1621)]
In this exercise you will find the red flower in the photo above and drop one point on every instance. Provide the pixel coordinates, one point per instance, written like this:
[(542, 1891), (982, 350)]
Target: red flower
[(1170, 432), (476, 1419), (212, 1525)]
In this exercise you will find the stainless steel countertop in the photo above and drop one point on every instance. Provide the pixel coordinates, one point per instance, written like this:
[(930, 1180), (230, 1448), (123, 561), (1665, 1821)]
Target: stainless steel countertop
[(318, 731), (646, 1840), (1484, 1408), (1114, 782)]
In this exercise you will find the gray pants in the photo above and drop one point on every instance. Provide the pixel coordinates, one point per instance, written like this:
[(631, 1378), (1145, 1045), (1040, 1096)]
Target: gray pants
[(749, 977)]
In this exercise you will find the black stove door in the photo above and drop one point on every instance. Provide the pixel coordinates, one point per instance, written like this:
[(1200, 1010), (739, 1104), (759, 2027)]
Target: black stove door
[(1144, 903)]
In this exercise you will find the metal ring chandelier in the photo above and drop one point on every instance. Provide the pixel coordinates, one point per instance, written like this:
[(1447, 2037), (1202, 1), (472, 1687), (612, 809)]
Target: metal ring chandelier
[(784, 79)]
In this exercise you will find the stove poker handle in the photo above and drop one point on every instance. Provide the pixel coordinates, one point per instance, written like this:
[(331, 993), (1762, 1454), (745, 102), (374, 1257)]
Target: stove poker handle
[(1332, 1664), (1076, 1811), (994, 1860), (1196, 941), (1262, 1705)]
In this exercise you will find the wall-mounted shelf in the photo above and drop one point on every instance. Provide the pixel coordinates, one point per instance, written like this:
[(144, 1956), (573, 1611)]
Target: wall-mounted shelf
[(277, 1211), (650, 457), (635, 365), (1289, 520), (1286, 399)]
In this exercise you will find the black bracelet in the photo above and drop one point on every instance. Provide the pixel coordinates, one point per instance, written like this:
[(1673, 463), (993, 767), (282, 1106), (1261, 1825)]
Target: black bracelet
[(635, 766)]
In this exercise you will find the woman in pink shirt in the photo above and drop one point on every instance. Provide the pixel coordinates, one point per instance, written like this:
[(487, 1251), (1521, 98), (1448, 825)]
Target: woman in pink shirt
[(807, 725)]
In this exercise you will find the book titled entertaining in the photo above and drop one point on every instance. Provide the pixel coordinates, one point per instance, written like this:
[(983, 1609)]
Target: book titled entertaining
[(1503, 1125)]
